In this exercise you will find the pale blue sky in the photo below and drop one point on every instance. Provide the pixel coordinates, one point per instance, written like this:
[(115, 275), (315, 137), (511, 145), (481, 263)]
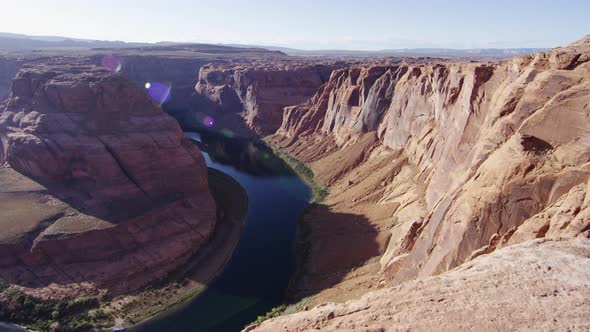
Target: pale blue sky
[(308, 24)]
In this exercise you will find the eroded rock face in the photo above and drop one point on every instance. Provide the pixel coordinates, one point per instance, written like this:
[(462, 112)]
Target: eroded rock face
[(260, 91), (178, 73), (537, 285), (481, 154), (101, 189)]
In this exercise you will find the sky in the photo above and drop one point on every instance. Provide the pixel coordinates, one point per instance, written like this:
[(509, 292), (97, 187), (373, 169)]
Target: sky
[(308, 24)]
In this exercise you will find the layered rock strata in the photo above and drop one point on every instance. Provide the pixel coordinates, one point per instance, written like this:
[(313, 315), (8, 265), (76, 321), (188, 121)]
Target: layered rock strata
[(259, 91), (100, 190), (467, 157)]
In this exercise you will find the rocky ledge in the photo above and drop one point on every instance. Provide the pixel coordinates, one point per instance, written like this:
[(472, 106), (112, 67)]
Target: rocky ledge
[(99, 190), (537, 286)]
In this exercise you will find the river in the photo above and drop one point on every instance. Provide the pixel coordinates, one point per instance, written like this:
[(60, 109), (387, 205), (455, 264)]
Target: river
[(256, 278)]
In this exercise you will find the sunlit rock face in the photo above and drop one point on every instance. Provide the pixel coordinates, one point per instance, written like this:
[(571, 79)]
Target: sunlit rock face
[(259, 91), (488, 154), (531, 286), (100, 190)]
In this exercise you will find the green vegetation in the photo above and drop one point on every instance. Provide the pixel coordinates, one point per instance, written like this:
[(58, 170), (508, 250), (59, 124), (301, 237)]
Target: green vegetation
[(275, 312), (297, 306), (17, 307), (319, 191), (282, 310)]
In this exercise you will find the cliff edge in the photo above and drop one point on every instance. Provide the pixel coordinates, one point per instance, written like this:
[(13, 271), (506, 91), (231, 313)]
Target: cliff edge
[(100, 192)]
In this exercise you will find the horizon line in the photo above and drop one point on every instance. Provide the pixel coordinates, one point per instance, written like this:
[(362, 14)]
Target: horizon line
[(263, 45)]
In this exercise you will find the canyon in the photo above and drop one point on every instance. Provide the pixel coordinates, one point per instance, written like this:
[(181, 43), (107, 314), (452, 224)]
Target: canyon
[(100, 192), (432, 165), (450, 181), (260, 91)]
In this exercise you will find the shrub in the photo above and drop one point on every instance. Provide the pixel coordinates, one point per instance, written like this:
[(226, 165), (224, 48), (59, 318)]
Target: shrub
[(274, 312), (318, 191), (80, 304), (99, 315)]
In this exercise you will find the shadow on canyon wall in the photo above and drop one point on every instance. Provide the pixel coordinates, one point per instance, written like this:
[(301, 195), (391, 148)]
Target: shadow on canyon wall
[(204, 115), (330, 245), (248, 155)]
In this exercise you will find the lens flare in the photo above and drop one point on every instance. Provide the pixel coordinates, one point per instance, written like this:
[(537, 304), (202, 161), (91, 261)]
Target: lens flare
[(208, 121), (159, 92), (113, 63)]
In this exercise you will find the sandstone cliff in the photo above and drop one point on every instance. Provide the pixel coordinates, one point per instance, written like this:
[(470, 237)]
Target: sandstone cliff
[(259, 91), (99, 189), (449, 160)]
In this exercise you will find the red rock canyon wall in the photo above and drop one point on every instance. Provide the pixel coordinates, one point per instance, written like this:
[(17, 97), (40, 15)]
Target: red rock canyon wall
[(119, 197), (488, 153)]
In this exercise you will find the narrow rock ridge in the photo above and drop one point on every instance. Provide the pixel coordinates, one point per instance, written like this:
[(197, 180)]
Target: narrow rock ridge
[(479, 154), (101, 190)]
